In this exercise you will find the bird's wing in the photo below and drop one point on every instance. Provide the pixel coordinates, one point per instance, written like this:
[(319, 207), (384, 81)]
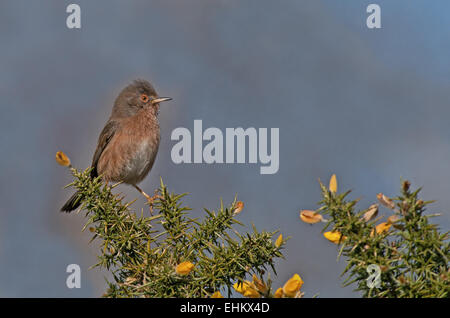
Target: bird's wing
[(105, 137)]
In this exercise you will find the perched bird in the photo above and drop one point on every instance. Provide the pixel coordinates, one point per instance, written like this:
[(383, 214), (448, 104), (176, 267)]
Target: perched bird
[(129, 142)]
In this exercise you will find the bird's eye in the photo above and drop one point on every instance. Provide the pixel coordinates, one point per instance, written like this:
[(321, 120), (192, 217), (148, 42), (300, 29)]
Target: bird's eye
[(144, 98)]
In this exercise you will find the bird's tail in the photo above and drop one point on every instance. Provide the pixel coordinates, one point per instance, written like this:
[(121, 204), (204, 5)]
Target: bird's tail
[(73, 203)]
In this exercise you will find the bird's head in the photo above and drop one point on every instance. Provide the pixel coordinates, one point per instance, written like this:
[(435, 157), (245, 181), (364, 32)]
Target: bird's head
[(139, 95)]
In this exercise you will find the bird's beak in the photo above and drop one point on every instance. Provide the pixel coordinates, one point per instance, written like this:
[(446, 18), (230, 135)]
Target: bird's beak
[(160, 99)]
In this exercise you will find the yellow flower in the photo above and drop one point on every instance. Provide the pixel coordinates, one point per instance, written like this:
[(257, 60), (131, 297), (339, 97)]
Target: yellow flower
[(248, 289), (382, 227), (333, 184), (278, 293), (259, 284), (240, 287), (238, 207), (251, 293), (184, 268), (334, 236), (217, 294), (62, 159), (384, 200), (279, 241), (310, 217), (292, 286)]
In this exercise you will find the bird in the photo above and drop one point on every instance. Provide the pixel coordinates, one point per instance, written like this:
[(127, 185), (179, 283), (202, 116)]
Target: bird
[(129, 142)]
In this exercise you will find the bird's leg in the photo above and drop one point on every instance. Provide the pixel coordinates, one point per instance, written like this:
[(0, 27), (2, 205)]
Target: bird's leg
[(142, 192), (150, 199)]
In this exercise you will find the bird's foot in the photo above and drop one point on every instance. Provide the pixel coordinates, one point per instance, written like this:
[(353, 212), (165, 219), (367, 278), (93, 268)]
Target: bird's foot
[(151, 200)]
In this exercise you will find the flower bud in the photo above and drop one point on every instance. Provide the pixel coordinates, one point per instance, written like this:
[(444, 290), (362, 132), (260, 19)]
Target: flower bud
[(62, 159), (333, 184), (405, 186), (310, 217), (184, 268), (279, 241), (238, 207), (371, 213), (384, 200)]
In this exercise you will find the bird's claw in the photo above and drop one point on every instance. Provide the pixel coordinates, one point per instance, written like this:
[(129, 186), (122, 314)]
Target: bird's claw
[(151, 200)]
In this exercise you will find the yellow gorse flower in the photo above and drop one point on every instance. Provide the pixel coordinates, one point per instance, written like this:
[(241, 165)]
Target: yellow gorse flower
[(334, 236), (62, 159), (310, 217), (292, 286), (278, 293), (241, 286), (184, 268), (251, 293), (381, 228), (259, 284), (217, 294), (238, 208), (279, 241), (333, 184), (246, 288)]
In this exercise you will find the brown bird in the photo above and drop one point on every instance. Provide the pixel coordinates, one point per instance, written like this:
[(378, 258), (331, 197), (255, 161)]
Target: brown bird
[(129, 142)]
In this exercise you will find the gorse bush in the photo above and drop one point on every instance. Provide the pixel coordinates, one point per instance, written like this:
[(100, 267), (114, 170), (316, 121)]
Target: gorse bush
[(169, 254), (409, 252)]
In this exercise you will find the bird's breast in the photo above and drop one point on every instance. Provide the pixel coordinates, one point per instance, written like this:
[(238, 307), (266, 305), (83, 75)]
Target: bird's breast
[(141, 161), (131, 152)]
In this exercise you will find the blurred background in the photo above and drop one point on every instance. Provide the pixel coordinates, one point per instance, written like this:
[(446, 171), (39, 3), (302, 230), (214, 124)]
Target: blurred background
[(371, 106)]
